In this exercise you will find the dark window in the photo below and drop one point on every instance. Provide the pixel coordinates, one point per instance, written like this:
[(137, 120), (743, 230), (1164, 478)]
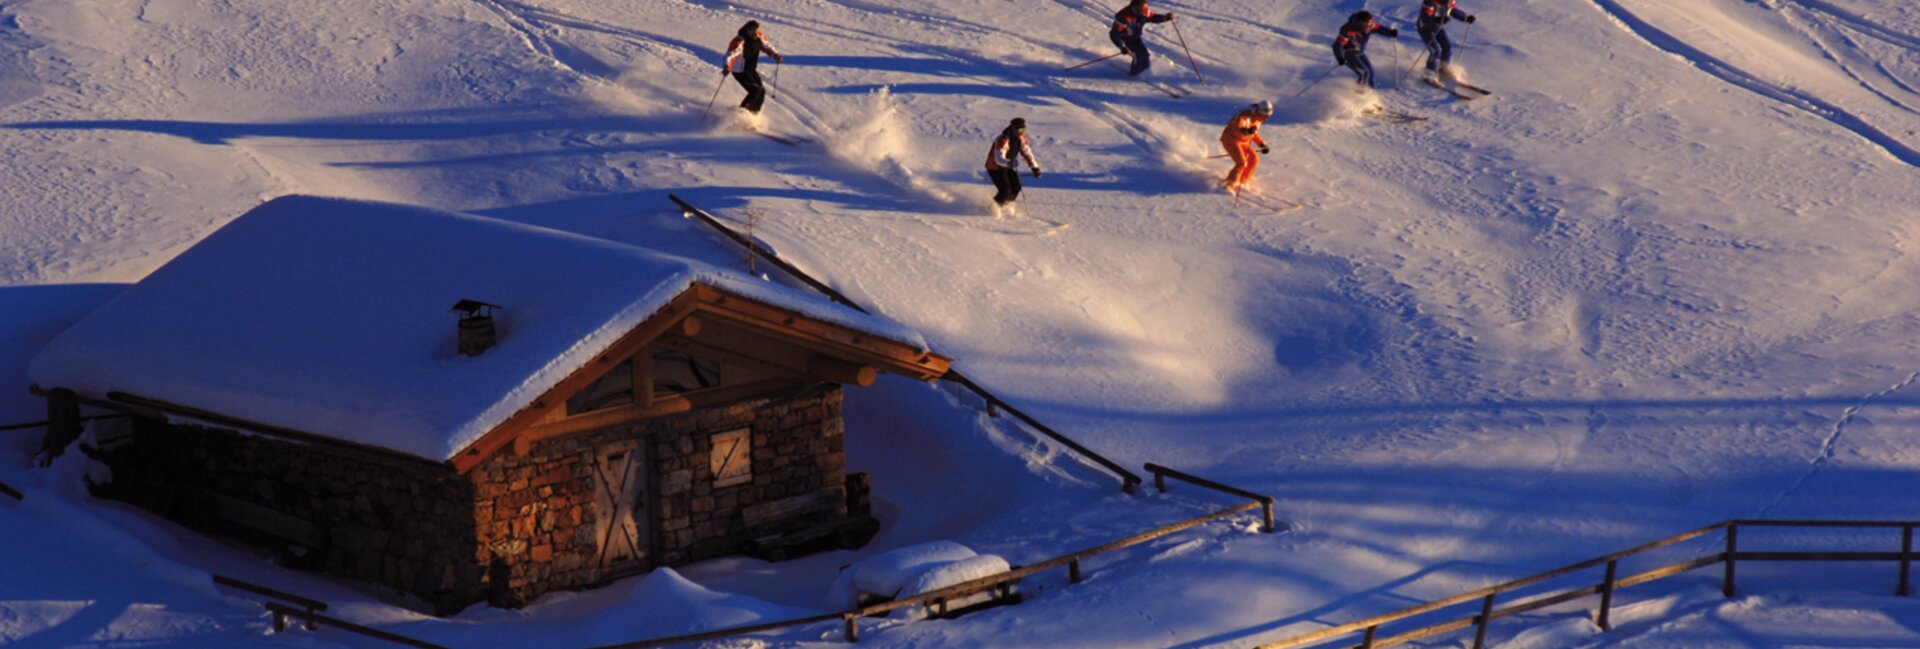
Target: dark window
[(614, 389), (679, 373)]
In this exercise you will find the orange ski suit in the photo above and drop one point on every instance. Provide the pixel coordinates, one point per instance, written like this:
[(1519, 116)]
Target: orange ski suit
[(1241, 137)]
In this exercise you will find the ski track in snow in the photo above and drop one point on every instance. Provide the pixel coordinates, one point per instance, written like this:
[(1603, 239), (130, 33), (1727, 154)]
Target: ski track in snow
[(1805, 102)]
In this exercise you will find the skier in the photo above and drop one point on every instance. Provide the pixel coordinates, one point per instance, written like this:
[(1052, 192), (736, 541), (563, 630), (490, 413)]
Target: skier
[(1350, 48), (1129, 33), (1240, 137), (1003, 162), (745, 49), (1432, 25)]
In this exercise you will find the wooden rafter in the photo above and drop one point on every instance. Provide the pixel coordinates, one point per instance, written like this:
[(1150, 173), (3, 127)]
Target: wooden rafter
[(803, 348)]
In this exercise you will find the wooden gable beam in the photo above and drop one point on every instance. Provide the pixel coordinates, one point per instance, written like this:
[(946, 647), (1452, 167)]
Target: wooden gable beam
[(833, 339), (632, 343)]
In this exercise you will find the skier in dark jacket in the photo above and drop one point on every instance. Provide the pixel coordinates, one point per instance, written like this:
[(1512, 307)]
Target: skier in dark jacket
[(1432, 24), (1003, 162), (745, 51), (1129, 32), (1350, 47)]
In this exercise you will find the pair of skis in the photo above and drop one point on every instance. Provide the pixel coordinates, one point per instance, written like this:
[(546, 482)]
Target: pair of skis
[(1462, 96)]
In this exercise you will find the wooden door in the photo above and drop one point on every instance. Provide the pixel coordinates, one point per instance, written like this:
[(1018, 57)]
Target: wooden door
[(622, 507)]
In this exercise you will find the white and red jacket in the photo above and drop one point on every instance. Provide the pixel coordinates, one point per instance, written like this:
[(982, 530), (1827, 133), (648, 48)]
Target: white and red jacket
[(746, 52), (1006, 148)]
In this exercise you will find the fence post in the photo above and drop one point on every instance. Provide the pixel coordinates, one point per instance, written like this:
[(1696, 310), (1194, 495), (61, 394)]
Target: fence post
[(1733, 547), (1073, 572), (853, 627), (1160, 481), (279, 622), (1367, 642), (1266, 511), (1486, 618), (1606, 597), (1906, 560)]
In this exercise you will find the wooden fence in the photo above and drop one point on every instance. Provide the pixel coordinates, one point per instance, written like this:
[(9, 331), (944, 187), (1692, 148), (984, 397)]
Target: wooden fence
[(1129, 481), (286, 605), (1486, 598)]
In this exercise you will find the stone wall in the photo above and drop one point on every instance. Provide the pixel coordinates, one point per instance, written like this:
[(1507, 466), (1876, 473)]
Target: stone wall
[(360, 515), (509, 530), (535, 515)]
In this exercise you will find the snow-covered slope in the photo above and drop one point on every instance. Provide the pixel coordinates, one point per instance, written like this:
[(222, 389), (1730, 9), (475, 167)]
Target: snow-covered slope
[(1665, 276)]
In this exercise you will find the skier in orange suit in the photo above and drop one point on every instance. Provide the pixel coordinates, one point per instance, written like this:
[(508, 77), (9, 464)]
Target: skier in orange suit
[(1241, 137)]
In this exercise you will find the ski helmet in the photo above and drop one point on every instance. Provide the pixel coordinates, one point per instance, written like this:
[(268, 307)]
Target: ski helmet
[(1263, 109), (752, 27), (1360, 17)]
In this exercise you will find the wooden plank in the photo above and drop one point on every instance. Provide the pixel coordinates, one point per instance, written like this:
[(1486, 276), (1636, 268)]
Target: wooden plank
[(1817, 556), (662, 406), (556, 397), (11, 492), (1669, 570), (157, 409), (1158, 471), (826, 337), (344, 625), (1402, 614), (257, 589), (785, 508), (1811, 523)]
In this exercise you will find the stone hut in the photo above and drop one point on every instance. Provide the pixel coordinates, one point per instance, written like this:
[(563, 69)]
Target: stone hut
[(588, 410)]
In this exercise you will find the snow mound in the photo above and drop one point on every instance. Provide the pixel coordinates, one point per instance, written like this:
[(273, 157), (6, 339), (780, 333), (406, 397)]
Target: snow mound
[(888, 572)]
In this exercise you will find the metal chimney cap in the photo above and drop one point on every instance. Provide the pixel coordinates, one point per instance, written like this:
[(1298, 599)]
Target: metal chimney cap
[(470, 308)]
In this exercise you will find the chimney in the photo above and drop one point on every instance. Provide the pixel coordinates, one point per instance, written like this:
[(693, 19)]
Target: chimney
[(476, 326)]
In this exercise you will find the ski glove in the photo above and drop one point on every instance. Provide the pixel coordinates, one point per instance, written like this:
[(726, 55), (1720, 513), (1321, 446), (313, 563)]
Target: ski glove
[(1391, 32), (1469, 19), (1339, 60), (1264, 150), (1036, 172)]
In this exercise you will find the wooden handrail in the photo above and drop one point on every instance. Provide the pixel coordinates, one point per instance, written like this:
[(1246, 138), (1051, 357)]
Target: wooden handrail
[(257, 589), (1005, 580), (1487, 613), (1161, 473), (1128, 480), (11, 492), (282, 611), (43, 424)]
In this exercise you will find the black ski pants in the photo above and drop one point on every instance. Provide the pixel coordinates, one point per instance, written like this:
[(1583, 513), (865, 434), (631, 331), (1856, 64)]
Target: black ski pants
[(756, 90), (1007, 180), (1439, 47), (1358, 62), (1133, 43)]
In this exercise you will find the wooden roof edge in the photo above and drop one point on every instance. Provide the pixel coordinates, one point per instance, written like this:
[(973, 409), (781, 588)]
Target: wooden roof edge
[(898, 357), (522, 420), (139, 405)]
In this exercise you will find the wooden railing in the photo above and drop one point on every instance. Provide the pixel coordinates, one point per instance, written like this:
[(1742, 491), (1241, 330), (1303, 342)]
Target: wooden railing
[(11, 492), (1003, 584), (1129, 481), (43, 424), (308, 610), (1370, 628)]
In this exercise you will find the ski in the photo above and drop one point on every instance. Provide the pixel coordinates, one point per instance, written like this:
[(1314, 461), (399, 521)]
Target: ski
[(1276, 206), (1456, 94), (1393, 117), (783, 139), (1165, 88), (1469, 86), (1170, 89)]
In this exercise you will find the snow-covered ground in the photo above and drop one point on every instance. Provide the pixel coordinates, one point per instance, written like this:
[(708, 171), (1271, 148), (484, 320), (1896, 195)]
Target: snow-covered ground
[(1665, 276)]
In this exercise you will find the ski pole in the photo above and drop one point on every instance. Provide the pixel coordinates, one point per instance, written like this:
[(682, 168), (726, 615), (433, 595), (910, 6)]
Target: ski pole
[(1103, 58), (1417, 61), (1316, 82), (1396, 63), (775, 82), (1469, 34), (716, 96), (1183, 48)]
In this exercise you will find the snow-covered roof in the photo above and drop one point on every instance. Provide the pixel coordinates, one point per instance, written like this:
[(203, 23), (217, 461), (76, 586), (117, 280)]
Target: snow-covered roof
[(332, 317)]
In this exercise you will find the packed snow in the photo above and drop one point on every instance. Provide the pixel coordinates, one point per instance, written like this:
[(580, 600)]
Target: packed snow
[(1663, 276)]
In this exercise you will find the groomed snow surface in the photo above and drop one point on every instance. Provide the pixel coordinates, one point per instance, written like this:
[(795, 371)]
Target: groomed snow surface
[(1664, 277)]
